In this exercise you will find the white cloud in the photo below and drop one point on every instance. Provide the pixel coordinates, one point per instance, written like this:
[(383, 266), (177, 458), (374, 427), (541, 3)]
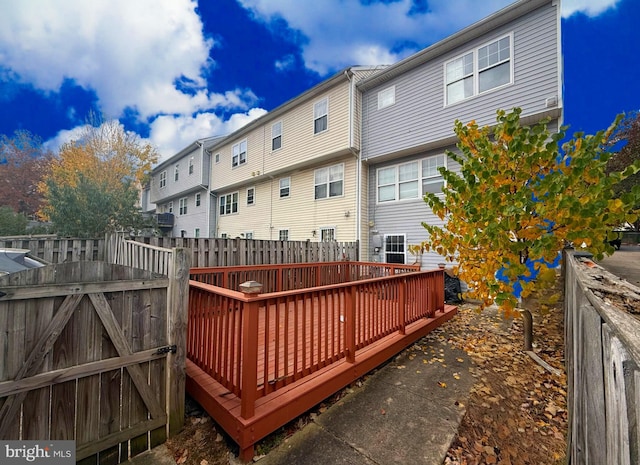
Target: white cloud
[(590, 8), (342, 33), (170, 134), (287, 62), (131, 53)]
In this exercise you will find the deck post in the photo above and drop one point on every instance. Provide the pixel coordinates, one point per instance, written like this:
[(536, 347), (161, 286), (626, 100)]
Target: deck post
[(350, 323), (402, 304), (249, 373)]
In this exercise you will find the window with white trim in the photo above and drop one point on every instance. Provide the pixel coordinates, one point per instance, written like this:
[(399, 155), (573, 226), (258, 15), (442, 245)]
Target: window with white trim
[(276, 136), (285, 187), (228, 204), (176, 173), (321, 116), (217, 158), (283, 235), (239, 151), (248, 234), (327, 234), (163, 179), (251, 196), (432, 180), (198, 199), (478, 71), (191, 166), (329, 181), (395, 248), (183, 206), (170, 207), (196, 232), (386, 97), (402, 182)]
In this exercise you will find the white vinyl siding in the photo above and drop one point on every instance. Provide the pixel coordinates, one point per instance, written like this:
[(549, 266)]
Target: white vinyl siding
[(386, 97)]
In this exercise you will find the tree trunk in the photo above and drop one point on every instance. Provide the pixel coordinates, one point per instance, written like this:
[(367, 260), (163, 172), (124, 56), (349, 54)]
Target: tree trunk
[(527, 320)]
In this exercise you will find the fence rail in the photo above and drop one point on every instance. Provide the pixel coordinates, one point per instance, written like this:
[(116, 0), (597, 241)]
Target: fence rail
[(603, 359)]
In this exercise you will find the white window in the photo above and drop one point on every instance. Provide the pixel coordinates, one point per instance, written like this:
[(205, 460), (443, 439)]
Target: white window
[(198, 200), (228, 204), (176, 173), (283, 235), (183, 206), (239, 153), (329, 181), (196, 233), (327, 234), (481, 70), (285, 187), (387, 97), (251, 196), (191, 165), (399, 182), (276, 136), (432, 180), (170, 207), (163, 179), (394, 248), (320, 116), (402, 182), (217, 158)]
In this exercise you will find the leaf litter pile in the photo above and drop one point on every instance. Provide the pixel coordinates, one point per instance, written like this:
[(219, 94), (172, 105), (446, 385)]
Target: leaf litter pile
[(516, 413)]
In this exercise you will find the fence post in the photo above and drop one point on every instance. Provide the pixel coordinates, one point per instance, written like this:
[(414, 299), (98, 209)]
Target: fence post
[(249, 368), (177, 310), (402, 304), (350, 323)]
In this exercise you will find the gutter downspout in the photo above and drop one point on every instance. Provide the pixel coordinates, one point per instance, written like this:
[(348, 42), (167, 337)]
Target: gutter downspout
[(356, 154)]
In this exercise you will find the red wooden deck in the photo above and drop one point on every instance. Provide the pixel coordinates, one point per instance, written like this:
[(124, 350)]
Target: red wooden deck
[(294, 348)]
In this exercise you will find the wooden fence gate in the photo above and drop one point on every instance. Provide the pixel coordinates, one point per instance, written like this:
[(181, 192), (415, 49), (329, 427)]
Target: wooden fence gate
[(93, 352)]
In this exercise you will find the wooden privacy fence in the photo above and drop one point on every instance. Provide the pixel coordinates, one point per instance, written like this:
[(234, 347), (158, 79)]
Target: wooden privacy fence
[(603, 360), (255, 348), (93, 352), (204, 252)]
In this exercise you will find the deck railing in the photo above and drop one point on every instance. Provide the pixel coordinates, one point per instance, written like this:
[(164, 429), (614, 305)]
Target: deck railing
[(308, 317)]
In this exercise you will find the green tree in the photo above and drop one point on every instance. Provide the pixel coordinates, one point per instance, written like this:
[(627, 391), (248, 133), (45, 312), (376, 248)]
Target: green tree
[(12, 223), (92, 186), (518, 200)]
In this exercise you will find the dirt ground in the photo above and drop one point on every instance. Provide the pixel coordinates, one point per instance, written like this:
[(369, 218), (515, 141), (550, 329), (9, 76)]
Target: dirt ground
[(516, 414)]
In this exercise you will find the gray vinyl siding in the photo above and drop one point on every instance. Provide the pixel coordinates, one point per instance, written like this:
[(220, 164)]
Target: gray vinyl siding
[(420, 116)]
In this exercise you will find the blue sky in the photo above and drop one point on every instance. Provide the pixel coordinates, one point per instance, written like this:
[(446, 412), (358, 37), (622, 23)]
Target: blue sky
[(174, 71)]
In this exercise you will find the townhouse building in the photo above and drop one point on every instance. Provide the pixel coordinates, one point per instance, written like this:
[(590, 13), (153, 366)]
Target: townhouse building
[(510, 59), (179, 192), (294, 173)]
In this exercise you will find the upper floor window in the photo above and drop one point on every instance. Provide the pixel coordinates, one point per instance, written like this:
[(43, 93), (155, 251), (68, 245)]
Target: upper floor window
[(320, 115), (409, 180), (191, 166), (387, 97), (276, 136), (285, 187), (229, 204), (183, 206), (329, 181), (239, 156), (217, 158), (163, 179), (481, 70), (176, 173), (251, 195), (197, 199), (170, 207)]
